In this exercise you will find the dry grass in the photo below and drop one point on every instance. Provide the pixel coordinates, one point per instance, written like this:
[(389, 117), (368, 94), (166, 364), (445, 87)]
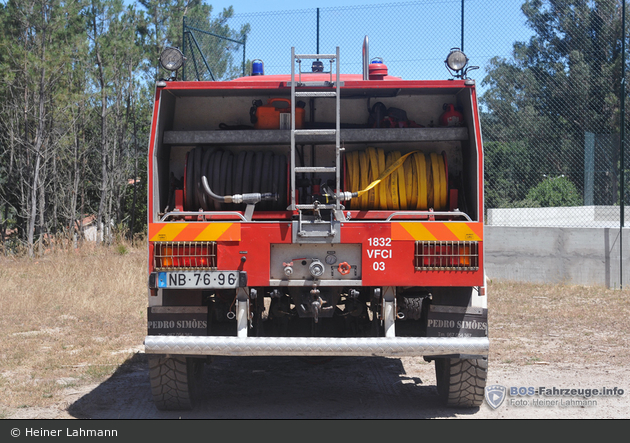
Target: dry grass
[(68, 318), (73, 318), (532, 323)]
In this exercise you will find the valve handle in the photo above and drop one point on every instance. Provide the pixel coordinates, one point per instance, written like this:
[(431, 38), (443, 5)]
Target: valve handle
[(344, 268)]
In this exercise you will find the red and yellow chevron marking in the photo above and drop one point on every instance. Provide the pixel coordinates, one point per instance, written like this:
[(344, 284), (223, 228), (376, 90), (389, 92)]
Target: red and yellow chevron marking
[(216, 231), (441, 231)]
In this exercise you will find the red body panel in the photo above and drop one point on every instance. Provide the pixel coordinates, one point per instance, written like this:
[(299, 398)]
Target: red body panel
[(397, 256), (252, 253)]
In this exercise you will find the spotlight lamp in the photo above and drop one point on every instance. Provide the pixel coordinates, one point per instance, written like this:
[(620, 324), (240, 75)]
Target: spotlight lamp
[(172, 59), (457, 63)]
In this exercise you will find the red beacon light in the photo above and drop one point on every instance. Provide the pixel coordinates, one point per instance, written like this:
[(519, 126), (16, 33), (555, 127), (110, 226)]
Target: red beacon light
[(377, 69)]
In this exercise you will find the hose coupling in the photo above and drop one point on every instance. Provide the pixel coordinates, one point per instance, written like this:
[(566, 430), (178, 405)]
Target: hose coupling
[(344, 195)]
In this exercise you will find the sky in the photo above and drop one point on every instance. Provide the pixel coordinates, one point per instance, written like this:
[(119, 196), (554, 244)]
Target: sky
[(430, 30), (425, 35), (416, 44), (250, 6)]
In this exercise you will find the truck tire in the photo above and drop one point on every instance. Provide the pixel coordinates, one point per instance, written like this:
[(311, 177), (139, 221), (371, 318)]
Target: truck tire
[(175, 382), (461, 382), (411, 307)]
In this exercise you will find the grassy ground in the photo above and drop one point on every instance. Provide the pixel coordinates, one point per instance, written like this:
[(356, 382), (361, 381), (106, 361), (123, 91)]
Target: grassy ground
[(72, 318), (68, 318), (532, 323)]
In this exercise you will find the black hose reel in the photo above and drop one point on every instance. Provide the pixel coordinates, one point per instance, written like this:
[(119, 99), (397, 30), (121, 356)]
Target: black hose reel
[(220, 180)]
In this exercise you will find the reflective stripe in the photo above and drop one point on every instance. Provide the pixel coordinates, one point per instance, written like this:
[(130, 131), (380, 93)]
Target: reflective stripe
[(443, 231), (215, 231)]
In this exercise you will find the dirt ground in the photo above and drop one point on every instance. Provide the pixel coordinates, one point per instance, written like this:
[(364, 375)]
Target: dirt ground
[(552, 336), (342, 388)]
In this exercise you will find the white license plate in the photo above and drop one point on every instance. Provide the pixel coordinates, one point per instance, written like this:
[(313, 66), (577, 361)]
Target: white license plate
[(199, 279)]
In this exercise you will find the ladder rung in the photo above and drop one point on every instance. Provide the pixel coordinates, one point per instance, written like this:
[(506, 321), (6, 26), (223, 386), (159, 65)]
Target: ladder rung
[(315, 94), (315, 56), (316, 234), (326, 84), (315, 131), (315, 169), (321, 88), (319, 206)]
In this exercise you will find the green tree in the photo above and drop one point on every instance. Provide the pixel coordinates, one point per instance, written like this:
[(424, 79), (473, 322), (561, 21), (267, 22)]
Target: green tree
[(40, 37), (508, 173), (165, 19), (165, 27), (76, 99), (561, 83), (223, 54)]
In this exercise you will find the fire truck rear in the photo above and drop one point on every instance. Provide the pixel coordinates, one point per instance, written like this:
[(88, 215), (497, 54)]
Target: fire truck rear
[(316, 214)]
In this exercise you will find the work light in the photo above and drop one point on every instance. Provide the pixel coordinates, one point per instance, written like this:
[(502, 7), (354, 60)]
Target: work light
[(457, 62), (172, 59)]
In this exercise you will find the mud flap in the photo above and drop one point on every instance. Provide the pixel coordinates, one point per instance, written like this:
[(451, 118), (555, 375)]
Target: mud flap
[(177, 320), (456, 321)]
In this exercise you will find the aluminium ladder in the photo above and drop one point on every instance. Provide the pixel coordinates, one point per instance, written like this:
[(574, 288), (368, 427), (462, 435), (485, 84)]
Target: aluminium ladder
[(333, 91)]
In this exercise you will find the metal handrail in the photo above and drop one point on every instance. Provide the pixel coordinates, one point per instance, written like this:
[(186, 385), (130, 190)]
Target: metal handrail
[(202, 214), (430, 213)]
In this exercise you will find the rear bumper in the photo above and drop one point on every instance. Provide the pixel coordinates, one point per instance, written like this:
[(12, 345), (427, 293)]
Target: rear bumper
[(317, 346)]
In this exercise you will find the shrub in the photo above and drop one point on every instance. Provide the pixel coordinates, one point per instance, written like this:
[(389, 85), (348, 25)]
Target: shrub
[(555, 191)]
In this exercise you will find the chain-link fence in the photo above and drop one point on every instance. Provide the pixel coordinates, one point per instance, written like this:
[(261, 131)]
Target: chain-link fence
[(549, 84), (214, 51)]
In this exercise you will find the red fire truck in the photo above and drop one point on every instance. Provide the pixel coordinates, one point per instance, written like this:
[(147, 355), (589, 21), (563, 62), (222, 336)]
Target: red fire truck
[(316, 214)]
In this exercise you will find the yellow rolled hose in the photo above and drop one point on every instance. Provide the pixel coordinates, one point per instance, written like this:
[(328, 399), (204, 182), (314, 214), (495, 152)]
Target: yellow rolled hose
[(392, 181)]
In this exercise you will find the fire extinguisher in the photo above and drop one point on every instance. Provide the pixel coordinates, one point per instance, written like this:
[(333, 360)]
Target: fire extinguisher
[(451, 116)]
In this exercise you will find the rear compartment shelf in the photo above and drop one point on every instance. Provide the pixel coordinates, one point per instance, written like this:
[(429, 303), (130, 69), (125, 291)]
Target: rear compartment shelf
[(277, 136), (194, 119)]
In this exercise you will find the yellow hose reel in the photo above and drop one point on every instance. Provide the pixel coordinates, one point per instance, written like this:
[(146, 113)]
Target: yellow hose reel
[(392, 181)]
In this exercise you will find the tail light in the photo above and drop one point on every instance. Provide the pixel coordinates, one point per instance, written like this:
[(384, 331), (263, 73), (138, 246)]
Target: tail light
[(447, 256), (184, 255)]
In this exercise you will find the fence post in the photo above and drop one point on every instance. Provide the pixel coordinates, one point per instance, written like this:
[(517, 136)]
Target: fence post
[(462, 20), (184, 46), (317, 51), (244, 47), (622, 140)]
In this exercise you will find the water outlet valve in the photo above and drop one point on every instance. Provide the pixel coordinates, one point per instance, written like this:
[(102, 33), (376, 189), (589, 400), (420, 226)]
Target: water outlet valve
[(316, 268), (288, 269)]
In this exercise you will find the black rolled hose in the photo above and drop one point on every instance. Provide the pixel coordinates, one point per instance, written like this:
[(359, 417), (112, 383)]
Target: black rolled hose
[(227, 174)]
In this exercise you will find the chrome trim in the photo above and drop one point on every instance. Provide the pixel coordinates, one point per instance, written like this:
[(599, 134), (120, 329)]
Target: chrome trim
[(431, 213), (205, 214), (325, 346), (309, 283), (209, 214)]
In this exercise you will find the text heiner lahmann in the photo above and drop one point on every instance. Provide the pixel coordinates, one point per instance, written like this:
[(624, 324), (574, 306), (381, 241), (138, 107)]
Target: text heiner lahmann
[(31, 432)]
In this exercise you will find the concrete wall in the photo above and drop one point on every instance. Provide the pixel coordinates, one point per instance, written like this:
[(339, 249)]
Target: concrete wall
[(563, 216), (583, 256)]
